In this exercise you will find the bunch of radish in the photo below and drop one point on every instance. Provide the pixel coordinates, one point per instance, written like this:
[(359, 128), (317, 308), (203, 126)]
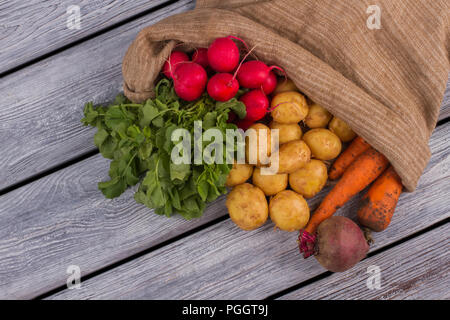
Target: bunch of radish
[(190, 77)]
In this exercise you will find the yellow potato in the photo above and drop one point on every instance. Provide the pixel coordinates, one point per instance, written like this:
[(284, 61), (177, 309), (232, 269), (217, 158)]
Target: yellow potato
[(270, 184), (318, 117), (284, 86), (289, 107), (287, 131), (261, 157), (342, 130), (324, 144), (289, 211), (310, 179), (293, 156), (239, 174), (247, 206)]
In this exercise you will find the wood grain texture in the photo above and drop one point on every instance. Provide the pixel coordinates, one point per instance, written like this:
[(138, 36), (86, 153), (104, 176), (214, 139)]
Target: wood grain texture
[(34, 28), (224, 262), (416, 269), (42, 105), (63, 219)]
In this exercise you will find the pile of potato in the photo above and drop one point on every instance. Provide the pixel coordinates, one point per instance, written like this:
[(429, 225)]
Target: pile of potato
[(302, 172)]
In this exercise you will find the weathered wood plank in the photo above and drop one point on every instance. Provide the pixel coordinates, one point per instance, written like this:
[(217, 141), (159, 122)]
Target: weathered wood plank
[(224, 262), (42, 105), (34, 28), (416, 269), (63, 219)]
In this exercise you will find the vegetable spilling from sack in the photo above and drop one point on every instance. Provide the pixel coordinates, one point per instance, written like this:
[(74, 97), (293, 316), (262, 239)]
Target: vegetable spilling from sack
[(226, 89)]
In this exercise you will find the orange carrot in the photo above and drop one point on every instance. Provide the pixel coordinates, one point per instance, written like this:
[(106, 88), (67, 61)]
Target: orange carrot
[(357, 147), (380, 201), (365, 169)]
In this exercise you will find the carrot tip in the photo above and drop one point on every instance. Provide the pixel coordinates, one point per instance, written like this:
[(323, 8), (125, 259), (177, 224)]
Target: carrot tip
[(306, 243)]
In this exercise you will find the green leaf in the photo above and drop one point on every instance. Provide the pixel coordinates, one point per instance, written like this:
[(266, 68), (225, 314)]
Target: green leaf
[(108, 147), (158, 122), (203, 189), (90, 115), (120, 99), (100, 137), (130, 176), (235, 105), (179, 171), (113, 188), (149, 112), (145, 150), (209, 120)]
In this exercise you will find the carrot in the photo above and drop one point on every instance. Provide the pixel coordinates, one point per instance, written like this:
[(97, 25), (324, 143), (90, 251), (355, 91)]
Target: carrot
[(357, 147), (365, 169), (378, 204)]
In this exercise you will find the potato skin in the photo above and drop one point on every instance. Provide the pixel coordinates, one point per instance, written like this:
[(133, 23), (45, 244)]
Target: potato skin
[(289, 107), (289, 211), (310, 179), (284, 86), (270, 184), (293, 156), (318, 117), (341, 129), (324, 144), (247, 206), (340, 243), (260, 156), (239, 174), (287, 131)]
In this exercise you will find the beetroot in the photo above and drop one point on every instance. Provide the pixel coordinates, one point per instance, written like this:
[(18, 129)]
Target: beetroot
[(340, 244), (256, 104), (175, 58), (222, 86), (189, 81)]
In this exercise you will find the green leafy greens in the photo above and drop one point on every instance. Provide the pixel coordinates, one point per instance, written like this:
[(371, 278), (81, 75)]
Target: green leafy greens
[(137, 138)]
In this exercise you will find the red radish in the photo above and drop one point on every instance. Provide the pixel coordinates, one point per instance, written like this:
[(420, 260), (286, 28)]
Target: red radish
[(175, 58), (252, 74), (200, 56), (244, 124), (189, 81), (270, 84), (222, 86), (256, 104), (223, 55)]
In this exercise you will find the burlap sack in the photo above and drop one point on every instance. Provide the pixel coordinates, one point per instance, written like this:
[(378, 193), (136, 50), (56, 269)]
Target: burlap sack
[(387, 83)]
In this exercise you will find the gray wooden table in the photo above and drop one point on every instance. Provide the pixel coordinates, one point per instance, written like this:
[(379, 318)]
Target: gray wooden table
[(52, 215)]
